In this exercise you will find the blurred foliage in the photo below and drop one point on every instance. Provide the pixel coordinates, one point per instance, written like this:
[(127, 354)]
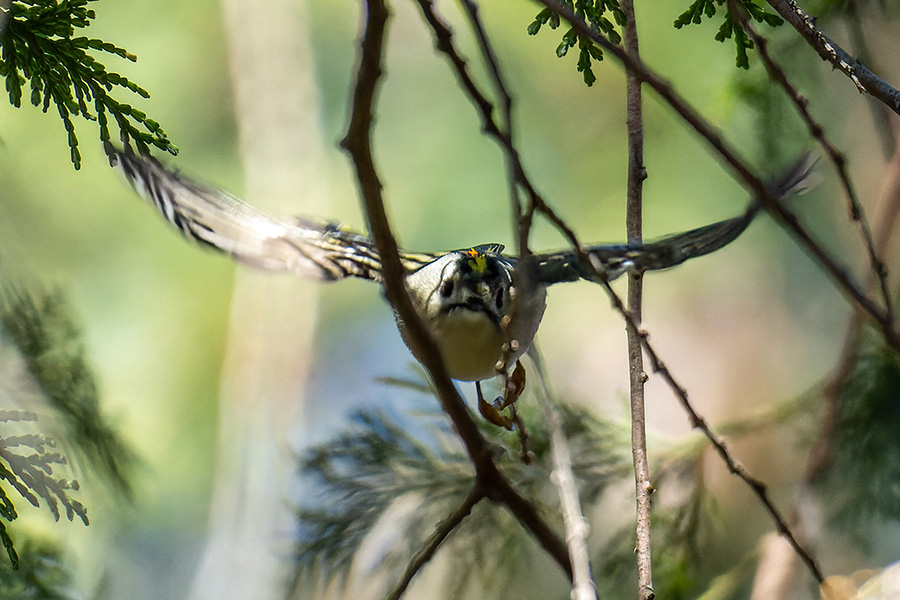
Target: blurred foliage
[(861, 481), (38, 47), (37, 328), (41, 327), (367, 471), (381, 466), (595, 13), (729, 29)]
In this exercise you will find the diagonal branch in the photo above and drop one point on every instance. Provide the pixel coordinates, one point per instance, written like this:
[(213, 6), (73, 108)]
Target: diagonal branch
[(862, 77), (357, 143), (562, 476), (443, 530), (443, 41)]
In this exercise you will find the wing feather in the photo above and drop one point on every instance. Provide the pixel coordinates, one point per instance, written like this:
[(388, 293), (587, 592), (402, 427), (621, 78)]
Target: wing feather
[(307, 247), (616, 259)]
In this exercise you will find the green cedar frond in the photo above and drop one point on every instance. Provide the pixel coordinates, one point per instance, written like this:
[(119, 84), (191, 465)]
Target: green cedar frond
[(38, 48), (596, 13), (729, 29), (42, 368)]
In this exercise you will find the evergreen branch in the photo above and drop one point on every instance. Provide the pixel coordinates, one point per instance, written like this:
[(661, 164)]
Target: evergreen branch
[(367, 474), (357, 144), (38, 573), (729, 29), (594, 11), (38, 47), (777, 74), (862, 77)]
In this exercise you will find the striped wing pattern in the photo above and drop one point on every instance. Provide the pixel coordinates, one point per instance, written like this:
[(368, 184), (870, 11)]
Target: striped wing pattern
[(616, 259), (313, 249)]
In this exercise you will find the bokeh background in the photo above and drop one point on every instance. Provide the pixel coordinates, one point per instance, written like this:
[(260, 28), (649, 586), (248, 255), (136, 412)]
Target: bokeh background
[(755, 323)]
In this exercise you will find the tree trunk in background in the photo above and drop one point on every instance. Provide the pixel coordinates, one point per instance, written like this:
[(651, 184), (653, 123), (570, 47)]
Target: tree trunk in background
[(272, 316)]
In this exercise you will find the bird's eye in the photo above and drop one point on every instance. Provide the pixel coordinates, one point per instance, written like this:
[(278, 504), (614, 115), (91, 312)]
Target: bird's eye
[(447, 288)]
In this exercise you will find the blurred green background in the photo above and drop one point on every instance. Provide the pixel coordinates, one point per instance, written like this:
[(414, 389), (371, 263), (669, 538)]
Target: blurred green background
[(751, 324)]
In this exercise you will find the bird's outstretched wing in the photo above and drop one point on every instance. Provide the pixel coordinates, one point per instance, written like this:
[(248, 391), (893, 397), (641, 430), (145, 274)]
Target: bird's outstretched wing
[(616, 259), (313, 249)]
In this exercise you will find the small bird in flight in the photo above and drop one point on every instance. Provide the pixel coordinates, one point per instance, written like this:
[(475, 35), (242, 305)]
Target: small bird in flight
[(483, 312)]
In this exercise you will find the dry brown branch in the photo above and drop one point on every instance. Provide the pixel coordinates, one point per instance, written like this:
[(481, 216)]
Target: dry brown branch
[(443, 530), (489, 479), (864, 79), (643, 486)]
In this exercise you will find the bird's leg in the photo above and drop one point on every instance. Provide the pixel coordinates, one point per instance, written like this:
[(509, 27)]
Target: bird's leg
[(491, 412)]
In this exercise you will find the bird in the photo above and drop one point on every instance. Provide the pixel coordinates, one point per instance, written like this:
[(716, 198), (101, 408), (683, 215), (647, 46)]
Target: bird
[(482, 305)]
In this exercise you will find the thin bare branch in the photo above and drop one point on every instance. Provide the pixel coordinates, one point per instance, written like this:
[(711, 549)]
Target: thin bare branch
[(443, 37), (490, 59), (718, 444), (562, 476), (643, 487), (834, 155), (357, 143), (862, 77), (443, 530)]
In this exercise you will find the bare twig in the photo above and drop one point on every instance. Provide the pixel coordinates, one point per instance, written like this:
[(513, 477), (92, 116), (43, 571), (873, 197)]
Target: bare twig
[(643, 486), (443, 530), (834, 155), (699, 423), (562, 476), (490, 59), (357, 143), (864, 79)]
